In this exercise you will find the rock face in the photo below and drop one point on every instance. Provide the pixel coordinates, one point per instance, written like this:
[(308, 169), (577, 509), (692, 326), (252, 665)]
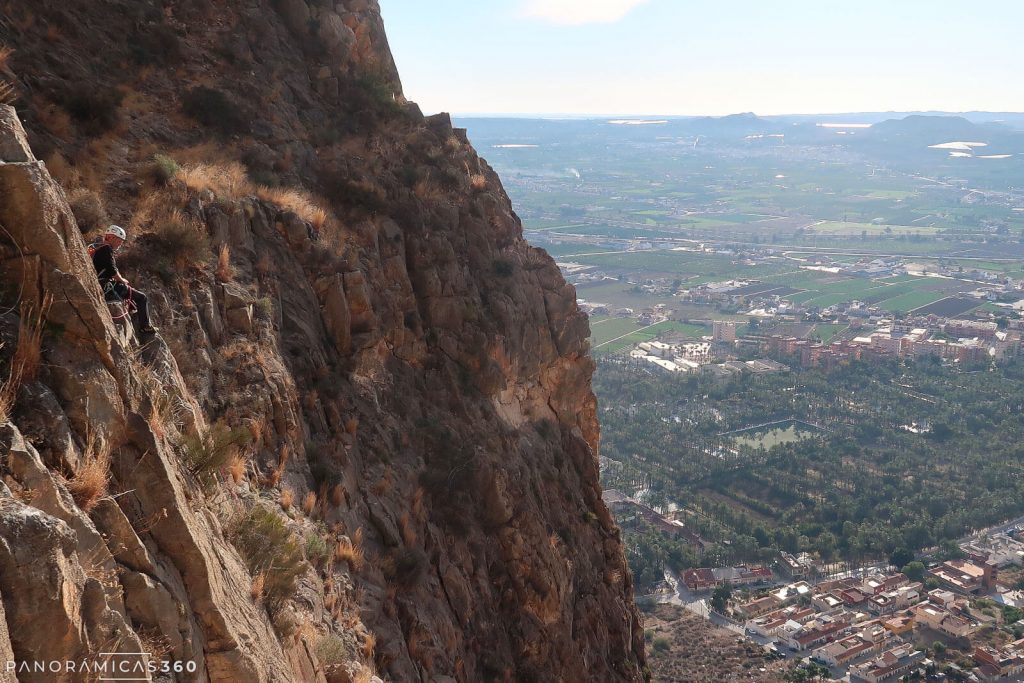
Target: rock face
[(395, 389)]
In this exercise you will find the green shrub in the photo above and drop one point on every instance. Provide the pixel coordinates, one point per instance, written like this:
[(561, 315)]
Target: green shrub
[(661, 644), (211, 450), (317, 551), (179, 241), (160, 45), (213, 109), (164, 168), (264, 308), (89, 210), (269, 550), (331, 650), (405, 566), (95, 109), (503, 267)]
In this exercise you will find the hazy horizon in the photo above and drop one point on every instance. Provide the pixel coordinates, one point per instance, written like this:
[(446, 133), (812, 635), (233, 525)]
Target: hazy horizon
[(658, 115), (588, 57)]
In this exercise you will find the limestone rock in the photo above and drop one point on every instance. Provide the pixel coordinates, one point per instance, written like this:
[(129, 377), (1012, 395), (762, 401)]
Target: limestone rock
[(335, 35), (13, 141)]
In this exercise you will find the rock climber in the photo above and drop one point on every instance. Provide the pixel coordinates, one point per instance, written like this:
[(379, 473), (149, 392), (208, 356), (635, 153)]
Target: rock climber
[(102, 251)]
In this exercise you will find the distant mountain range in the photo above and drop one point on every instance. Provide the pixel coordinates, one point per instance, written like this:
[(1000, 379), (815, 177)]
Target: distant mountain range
[(889, 136)]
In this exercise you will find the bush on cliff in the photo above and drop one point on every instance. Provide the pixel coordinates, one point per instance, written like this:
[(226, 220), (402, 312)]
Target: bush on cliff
[(271, 552), (213, 109)]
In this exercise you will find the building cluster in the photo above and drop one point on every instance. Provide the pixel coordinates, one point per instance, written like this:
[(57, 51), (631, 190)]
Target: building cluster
[(688, 356), (1001, 663), (628, 512), (705, 579), (867, 625), (960, 341)]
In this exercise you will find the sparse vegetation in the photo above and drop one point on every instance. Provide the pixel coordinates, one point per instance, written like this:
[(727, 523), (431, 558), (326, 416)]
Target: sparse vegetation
[(180, 240), (225, 271), (331, 651), (270, 551), (28, 354), (212, 449), (301, 203), (350, 551), (287, 499), (404, 566), (478, 182), (92, 476), (88, 209), (159, 45), (164, 168), (264, 308), (226, 181), (309, 503), (503, 268), (216, 110), (236, 468), (317, 551), (7, 94), (94, 109)]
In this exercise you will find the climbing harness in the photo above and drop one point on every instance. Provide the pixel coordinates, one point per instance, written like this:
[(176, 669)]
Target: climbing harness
[(110, 295)]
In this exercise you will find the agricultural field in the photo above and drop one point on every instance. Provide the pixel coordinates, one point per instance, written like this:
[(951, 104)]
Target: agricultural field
[(628, 334)]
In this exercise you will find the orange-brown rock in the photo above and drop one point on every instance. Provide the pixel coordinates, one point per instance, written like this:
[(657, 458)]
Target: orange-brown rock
[(412, 378)]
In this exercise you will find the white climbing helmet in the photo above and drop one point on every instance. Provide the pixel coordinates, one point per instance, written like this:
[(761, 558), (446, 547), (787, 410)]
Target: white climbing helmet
[(117, 231)]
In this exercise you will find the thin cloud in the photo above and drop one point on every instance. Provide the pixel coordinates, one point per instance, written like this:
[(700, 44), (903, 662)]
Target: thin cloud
[(580, 11)]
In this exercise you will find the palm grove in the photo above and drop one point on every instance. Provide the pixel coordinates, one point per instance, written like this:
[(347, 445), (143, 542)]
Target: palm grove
[(910, 455)]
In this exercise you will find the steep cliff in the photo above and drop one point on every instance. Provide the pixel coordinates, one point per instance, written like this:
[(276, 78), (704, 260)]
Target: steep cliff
[(365, 438)]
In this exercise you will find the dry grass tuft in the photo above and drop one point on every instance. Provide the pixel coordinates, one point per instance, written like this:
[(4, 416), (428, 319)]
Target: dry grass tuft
[(426, 190), (258, 587), (28, 354), (351, 551), (91, 479), (229, 181), (179, 238), (301, 203), (337, 495), (88, 208), (226, 181), (225, 271), (351, 425), (309, 503), (369, 646), (408, 530), (478, 182), (5, 56), (164, 406), (287, 499), (384, 484), (417, 504), (236, 468), (157, 646), (7, 94)]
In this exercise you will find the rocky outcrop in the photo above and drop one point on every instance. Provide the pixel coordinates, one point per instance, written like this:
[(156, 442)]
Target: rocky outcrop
[(365, 439)]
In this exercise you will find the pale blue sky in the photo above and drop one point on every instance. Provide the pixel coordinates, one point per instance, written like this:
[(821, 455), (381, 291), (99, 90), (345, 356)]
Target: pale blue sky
[(708, 56)]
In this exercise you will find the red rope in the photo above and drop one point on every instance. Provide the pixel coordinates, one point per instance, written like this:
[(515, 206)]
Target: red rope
[(127, 304)]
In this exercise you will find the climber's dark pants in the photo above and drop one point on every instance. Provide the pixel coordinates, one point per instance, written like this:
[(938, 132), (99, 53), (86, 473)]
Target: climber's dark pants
[(138, 299)]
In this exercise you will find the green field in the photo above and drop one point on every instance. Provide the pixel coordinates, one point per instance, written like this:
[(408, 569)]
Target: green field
[(910, 301), (615, 334), (773, 437), (843, 228), (827, 331), (604, 330)]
